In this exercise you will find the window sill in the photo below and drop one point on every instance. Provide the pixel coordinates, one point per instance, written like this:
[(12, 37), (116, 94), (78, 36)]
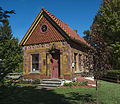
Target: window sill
[(35, 72), (79, 72)]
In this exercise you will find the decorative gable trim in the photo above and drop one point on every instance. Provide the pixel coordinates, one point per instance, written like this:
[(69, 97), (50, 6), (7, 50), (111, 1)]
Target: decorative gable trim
[(63, 28), (31, 29)]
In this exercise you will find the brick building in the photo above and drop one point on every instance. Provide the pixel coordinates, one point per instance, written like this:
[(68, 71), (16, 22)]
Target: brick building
[(52, 49)]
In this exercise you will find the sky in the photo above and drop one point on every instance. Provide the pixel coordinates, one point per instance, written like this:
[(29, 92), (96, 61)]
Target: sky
[(78, 14)]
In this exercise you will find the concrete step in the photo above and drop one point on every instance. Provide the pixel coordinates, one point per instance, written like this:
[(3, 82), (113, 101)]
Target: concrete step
[(58, 80), (50, 83)]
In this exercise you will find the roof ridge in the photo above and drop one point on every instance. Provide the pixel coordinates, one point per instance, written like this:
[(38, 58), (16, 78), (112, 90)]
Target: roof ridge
[(51, 14), (66, 28), (71, 33)]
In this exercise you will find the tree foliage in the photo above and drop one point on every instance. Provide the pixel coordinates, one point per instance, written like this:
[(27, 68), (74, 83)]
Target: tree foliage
[(5, 14), (10, 52), (107, 20), (105, 31), (107, 24), (115, 56), (87, 36), (104, 37)]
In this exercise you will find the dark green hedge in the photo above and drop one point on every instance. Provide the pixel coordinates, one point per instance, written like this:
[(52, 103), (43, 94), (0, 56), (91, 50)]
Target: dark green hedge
[(85, 83), (113, 74)]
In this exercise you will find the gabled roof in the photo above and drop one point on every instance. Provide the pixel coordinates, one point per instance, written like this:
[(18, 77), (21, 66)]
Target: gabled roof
[(71, 33), (51, 34)]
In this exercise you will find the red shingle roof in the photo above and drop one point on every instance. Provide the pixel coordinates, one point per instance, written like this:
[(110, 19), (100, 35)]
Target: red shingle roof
[(28, 39), (51, 35), (66, 28)]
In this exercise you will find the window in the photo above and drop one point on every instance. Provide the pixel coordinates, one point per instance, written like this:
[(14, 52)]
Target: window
[(75, 60), (44, 28), (35, 62), (85, 60), (79, 62), (44, 62)]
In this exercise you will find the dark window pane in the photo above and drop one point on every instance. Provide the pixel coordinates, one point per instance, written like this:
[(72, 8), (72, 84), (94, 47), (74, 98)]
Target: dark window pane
[(44, 62), (79, 62), (44, 28), (75, 60), (35, 62)]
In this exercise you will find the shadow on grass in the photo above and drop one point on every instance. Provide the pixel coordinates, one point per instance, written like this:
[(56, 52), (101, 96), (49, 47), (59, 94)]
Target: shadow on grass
[(85, 98), (30, 95)]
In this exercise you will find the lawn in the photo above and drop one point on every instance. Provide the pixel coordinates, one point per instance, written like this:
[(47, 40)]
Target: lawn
[(109, 93)]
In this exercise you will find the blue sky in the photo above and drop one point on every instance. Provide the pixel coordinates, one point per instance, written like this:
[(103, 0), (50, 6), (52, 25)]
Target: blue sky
[(78, 14)]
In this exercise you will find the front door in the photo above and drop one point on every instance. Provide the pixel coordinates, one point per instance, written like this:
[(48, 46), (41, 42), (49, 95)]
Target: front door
[(55, 65)]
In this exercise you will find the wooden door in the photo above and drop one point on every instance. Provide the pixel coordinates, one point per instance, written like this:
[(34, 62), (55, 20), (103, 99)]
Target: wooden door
[(55, 65)]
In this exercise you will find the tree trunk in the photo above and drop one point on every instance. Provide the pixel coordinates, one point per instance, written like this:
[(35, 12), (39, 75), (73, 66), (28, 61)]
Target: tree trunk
[(96, 92)]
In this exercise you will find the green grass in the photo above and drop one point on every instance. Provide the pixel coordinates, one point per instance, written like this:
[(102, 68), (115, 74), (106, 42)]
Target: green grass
[(108, 93)]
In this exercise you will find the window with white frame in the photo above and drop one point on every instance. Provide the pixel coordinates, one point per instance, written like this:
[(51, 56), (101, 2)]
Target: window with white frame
[(35, 62)]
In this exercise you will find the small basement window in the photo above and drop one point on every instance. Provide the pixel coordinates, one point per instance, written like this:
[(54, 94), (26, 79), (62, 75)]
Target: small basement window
[(35, 62)]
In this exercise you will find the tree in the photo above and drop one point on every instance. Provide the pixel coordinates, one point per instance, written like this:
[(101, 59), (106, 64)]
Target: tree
[(115, 57), (87, 36), (106, 29), (104, 37), (10, 52), (108, 19), (107, 24), (4, 14)]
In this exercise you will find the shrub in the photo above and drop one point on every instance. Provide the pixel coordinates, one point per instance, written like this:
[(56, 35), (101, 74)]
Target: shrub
[(85, 83), (113, 74), (71, 84), (86, 74), (29, 81), (8, 82), (36, 81), (66, 84), (75, 83), (26, 81)]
